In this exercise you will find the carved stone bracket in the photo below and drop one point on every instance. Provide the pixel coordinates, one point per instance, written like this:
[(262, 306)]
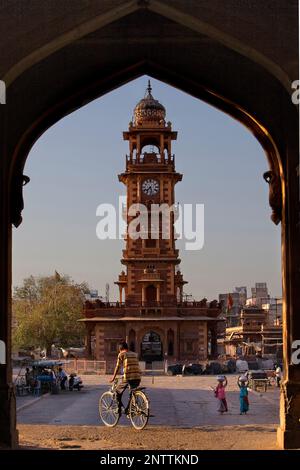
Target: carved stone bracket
[(17, 202), (275, 195)]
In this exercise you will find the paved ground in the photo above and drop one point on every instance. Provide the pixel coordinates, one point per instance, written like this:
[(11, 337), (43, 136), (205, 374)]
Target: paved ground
[(175, 401), (154, 438), (183, 407)]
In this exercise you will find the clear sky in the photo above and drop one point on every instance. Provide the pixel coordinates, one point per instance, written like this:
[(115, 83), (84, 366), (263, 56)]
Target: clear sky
[(74, 166)]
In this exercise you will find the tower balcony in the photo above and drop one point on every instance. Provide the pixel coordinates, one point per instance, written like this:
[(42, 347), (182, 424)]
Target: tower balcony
[(146, 160), (169, 255), (168, 307)]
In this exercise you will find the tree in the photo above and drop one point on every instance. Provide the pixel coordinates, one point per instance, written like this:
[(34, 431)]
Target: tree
[(46, 310)]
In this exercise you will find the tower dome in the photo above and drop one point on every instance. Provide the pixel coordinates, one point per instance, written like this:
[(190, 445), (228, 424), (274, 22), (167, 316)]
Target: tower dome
[(148, 111)]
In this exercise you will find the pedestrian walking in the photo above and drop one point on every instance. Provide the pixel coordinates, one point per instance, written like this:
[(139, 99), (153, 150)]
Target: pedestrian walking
[(62, 377), (28, 377), (220, 394), (244, 401), (278, 375)]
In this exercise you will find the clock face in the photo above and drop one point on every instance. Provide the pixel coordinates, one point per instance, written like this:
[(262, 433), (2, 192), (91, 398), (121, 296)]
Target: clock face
[(150, 187)]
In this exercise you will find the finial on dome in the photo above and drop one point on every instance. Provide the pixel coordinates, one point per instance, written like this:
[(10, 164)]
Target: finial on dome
[(149, 111), (149, 89)]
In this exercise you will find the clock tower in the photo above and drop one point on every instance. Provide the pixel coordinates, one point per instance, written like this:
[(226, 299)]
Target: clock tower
[(150, 178), (151, 314)]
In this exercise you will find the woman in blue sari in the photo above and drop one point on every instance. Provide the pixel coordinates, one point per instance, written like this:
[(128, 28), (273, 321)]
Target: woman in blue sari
[(244, 402)]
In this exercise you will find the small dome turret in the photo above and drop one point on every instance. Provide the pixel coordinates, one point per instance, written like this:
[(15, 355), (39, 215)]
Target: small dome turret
[(149, 112)]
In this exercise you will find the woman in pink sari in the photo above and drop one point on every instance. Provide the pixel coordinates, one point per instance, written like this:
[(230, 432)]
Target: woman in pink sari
[(220, 394)]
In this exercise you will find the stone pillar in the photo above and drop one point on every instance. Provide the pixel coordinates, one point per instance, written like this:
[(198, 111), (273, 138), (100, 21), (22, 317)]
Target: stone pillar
[(288, 434), (143, 295), (178, 349), (138, 148), (161, 150), (214, 344), (175, 344), (8, 432), (88, 346), (169, 149), (120, 293), (158, 293), (164, 341)]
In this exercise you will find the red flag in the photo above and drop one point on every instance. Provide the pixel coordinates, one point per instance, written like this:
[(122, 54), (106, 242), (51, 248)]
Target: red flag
[(229, 302)]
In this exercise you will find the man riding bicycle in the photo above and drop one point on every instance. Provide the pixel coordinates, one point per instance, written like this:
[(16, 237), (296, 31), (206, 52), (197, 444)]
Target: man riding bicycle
[(128, 361)]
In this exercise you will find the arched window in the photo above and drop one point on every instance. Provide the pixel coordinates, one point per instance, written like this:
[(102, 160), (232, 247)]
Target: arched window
[(150, 294), (151, 347)]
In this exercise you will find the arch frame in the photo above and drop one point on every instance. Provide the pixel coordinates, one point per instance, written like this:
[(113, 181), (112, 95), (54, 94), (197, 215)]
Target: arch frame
[(280, 143)]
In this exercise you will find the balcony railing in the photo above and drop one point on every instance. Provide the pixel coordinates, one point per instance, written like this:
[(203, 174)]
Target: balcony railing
[(143, 159), (150, 303), (99, 304)]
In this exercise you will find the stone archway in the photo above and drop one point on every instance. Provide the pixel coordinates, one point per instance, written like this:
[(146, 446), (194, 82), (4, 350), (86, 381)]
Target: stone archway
[(146, 329), (151, 347), (260, 100)]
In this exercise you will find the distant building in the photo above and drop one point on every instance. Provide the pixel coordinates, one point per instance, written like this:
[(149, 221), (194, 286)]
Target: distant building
[(232, 303), (259, 295), (254, 335), (273, 309), (92, 295), (242, 291)]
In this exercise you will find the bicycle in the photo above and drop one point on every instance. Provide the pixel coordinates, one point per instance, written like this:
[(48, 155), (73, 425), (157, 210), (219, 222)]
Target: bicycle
[(138, 410)]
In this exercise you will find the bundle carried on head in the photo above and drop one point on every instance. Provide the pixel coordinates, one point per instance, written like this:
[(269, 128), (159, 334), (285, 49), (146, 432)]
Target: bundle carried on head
[(221, 378)]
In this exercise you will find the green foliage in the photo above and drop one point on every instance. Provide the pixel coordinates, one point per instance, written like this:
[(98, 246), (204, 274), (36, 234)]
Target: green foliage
[(45, 312)]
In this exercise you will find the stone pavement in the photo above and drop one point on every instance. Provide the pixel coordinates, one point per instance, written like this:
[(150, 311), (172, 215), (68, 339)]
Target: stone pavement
[(181, 402), (43, 436), (24, 401)]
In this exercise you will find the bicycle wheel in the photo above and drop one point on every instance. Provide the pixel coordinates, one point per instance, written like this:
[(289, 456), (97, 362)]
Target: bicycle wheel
[(108, 409), (139, 410)]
